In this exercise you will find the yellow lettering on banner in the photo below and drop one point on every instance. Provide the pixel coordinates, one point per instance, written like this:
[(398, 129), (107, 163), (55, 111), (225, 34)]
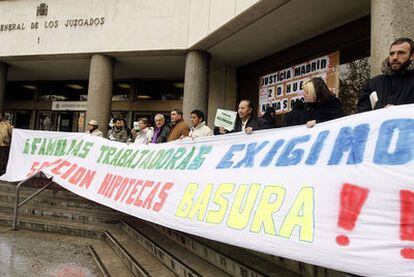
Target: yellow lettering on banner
[(301, 215), (240, 214), (217, 216), (187, 200), (264, 213), (201, 205)]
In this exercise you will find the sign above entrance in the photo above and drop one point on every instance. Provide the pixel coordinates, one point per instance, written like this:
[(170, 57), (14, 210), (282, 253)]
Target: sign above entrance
[(69, 106), (281, 88)]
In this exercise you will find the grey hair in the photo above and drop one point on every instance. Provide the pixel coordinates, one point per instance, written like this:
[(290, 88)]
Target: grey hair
[(159, 115)]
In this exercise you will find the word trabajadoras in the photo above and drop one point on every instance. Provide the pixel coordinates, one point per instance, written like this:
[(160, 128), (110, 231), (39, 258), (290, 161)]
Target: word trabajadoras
[(251, 207)]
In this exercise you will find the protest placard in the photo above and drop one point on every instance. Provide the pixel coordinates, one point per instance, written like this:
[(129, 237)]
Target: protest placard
[(279, 89), (225, 119)]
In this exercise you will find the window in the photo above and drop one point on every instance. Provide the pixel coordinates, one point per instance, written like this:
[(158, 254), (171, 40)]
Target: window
[(64, 91), (159, 90), (20, 91)]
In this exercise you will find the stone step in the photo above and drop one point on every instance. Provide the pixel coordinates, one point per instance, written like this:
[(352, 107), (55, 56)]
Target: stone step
[(99, 250), (234, 260), (167, 250), (54, 190), (103, 271), (136, 257), (70, 215), (111, 261), (51, 200), (122, 245), (57, 226), (173, 263)]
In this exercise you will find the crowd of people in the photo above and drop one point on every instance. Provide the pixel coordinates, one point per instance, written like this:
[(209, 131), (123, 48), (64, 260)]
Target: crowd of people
[(394, 87), (160, 132)]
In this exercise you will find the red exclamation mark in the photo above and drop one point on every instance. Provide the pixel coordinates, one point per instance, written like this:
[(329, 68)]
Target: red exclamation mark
[(352, 200), (407, 221)]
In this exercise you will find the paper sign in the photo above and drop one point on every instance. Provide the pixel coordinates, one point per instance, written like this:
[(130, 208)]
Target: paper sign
[(225, 119)]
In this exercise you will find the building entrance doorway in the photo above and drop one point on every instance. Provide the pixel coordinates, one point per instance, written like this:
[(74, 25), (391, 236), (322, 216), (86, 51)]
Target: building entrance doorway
[(64, 121)]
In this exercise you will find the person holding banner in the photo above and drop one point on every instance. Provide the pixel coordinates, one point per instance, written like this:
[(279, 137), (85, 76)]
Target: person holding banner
[(321, 103), (296, 116), (145, 133), (178, 127), (245, 121), (267, 121), (93, 129), (396, 85), (119, 131), (161, 130), (198, 125)]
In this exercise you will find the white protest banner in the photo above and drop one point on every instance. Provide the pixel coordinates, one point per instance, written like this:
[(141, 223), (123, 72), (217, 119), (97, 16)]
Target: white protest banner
[(225, 119), (339, 195), (279, 89)]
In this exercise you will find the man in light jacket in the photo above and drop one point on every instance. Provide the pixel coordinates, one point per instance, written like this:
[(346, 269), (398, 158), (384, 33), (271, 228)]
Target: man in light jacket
[(198, 125), (93, 129)]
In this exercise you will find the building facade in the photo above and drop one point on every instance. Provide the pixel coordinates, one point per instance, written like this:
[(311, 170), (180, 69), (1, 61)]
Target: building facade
[(63, 63)]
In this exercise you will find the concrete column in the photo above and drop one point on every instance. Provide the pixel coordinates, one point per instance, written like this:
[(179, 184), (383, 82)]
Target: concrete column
[(3, 80), (222, 90), (101, 75), (195, 83), (389, 21)]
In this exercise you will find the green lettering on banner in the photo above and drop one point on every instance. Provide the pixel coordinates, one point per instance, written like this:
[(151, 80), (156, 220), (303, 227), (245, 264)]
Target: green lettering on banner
[(200, 158), (186, 160), (145, 162), (161, 163), (142, 154), (51, 147), (26, 146), (177, 155), (128, 164), (61, 147), (157, 158), (117, 156), (124, 157), (42, 150)]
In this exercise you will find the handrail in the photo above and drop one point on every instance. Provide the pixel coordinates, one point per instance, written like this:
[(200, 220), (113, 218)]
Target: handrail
[(17, 205)]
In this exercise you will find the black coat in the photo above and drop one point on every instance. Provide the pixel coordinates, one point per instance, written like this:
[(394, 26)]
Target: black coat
[(251, 122), (162, 137), (323, 111), (266, 122), (395, 88), (294, 117)]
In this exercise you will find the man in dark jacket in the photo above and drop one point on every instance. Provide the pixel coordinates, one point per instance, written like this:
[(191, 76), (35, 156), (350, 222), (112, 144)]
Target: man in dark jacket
[(296, 116), (396, 85), (119, 132), (267, 121), (245, 121), (161, 131)]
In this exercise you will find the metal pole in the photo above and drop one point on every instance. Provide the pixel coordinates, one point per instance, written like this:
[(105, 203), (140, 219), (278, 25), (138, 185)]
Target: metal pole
[(17, 204)]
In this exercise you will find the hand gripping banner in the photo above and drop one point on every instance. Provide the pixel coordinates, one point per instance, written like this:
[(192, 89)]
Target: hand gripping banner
[(339, 195)]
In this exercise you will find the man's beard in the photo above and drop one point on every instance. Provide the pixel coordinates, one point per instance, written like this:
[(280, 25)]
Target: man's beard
[(403, 66)]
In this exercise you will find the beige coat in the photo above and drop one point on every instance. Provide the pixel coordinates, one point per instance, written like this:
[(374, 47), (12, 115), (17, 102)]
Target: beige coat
[(201, 130), (5, 133), (95, 132)]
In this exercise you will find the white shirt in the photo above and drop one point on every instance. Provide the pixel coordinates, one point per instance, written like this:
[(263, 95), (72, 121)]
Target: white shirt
[(144, 136)]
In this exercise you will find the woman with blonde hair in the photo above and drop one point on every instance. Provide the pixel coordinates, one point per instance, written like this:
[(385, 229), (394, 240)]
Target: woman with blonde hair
[(321, 103)]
